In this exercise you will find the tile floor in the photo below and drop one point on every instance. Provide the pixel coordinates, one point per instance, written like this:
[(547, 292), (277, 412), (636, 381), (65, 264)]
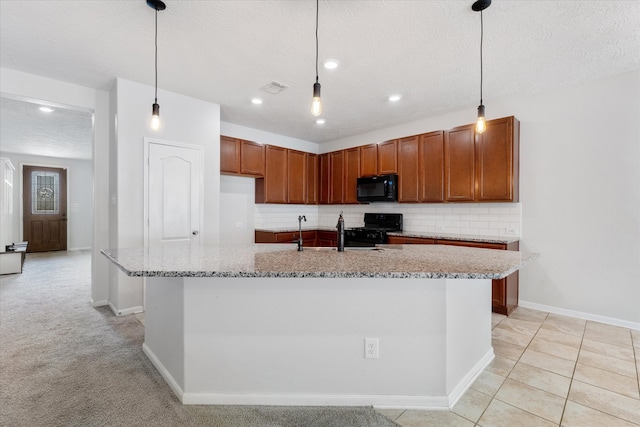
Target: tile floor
[(549, 370)]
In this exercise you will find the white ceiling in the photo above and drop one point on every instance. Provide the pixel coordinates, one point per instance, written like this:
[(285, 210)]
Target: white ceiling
[(225, 51)]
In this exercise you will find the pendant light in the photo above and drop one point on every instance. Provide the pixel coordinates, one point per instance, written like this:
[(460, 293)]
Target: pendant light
[(155, 108), (479, 6), (316, 105)]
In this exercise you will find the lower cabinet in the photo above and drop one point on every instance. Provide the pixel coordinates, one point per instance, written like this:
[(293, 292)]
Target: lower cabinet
[(309, 237), (504, 292)]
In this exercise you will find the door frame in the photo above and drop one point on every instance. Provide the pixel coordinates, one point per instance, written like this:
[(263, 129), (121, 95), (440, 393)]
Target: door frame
[(147, 143), (21, 180)]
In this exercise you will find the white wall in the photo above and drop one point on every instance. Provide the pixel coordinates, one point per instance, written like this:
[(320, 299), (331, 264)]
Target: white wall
[(237, 210), (579, 190), (79, 196), (262, 137), (41, 88), (184, 120)]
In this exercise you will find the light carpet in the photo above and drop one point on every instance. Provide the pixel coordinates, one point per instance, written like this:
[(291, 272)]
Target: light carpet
[(65, 363)]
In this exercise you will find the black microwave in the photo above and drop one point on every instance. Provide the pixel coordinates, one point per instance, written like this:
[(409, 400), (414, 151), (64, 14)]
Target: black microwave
[(381, 188)]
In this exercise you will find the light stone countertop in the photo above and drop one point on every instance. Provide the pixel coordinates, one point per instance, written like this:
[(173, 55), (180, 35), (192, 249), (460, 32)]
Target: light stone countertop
[(283, 260)]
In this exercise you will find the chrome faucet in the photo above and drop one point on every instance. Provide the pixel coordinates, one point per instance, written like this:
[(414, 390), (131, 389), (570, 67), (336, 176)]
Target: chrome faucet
[(299, 241), (340, 228)]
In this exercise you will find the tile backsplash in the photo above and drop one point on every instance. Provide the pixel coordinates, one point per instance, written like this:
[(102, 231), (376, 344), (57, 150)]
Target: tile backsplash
[(486, 219)]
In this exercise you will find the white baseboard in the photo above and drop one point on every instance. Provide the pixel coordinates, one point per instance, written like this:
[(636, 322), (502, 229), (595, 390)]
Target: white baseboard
[(83, 248), (124, 312), (580, 315), (163, 372), (99, 303), (469, 378)]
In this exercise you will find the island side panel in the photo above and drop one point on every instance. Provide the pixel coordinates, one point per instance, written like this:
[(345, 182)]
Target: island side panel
[(164, 329), (469, 348), (301, 341)]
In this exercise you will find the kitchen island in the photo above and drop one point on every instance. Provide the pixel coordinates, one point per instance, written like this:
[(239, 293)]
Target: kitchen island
[(269, 325)]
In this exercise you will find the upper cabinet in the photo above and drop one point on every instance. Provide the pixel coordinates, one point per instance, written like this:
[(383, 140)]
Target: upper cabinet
[(369, 160), (409, 169), (459, 164), (497, 161), (296, 177), (388, 157), (273, 187), (351, 174), (336, 177), (240, 157), (432, 167), (323, 179), (312, 178)]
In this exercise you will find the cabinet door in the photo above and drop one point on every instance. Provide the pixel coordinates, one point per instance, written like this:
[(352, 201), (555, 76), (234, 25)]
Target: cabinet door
[(323, 179), (387, 157), (351, 173), (296, 177), (336, 177), (397, 240), (369, 160), (431, 167), (251, 158), (497, 162), (229, 155), (408, 169), (312, 178), (275, 175), (459, 164)]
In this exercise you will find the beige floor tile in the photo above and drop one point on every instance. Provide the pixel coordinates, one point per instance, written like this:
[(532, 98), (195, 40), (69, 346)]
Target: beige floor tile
[(560, 350), (606, 401), (541, 379), (472, 405), (501, 365), (496, 318), (415, 418), (576, 415), (608, 333), (567, 325), (506, 349), (548, 362), (607, 363), (622, 353), (525, 327), (488, 383), (507, 334), (500, 414), (392, 414), (607, 380), (529, 314), (560, 337), (533, 400), (635, 337)]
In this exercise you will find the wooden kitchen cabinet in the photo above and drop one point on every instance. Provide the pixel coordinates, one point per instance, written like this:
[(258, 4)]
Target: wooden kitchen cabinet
[(240, 157), (323, 179), (409, 169), (431, 171), (273, 187), (336, 177), (251, 158), (351, 174), (459, 164), (401, 240), (296, 177), (369, 160), (497, 161), (229, 155), (388, 157), (308, 237), (327, 238), (312, 174)]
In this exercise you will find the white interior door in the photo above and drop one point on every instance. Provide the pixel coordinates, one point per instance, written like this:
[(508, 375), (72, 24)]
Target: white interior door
[(174, 192)]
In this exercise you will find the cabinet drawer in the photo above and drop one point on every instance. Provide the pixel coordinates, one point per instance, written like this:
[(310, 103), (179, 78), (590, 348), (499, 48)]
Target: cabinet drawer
[(397, 240)]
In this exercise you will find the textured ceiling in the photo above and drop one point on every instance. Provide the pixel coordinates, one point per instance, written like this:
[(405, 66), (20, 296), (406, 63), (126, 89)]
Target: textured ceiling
[(225, 51)]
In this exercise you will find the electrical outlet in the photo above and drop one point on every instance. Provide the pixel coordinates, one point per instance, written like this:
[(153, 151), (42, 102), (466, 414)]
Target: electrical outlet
[(371, 348)]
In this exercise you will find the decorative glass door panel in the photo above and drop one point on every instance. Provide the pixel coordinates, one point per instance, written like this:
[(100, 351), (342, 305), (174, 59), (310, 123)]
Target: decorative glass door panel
[(45, 193)]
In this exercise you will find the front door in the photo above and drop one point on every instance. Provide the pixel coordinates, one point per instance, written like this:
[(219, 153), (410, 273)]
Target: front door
[(44, 208), (174, 183)]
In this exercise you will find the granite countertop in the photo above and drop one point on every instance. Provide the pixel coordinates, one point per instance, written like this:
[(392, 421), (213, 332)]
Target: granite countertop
[(283, 260), (419, 234)]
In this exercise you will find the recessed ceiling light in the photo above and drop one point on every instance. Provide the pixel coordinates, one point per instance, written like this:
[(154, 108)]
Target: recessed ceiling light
[(331, 64), (46, 109), (394, 98), (321, 121), (256, 101)]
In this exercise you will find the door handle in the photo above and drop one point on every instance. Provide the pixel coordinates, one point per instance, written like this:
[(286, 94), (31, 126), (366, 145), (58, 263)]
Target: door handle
[(195, 232)]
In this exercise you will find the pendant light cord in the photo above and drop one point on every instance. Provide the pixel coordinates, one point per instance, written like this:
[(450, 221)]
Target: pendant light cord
[(317, 10), (156, 94), (481, 37)]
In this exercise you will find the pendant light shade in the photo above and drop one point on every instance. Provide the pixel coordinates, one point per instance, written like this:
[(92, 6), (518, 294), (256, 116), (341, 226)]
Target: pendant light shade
[(479, 6), (316, 104), (155, 108)]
